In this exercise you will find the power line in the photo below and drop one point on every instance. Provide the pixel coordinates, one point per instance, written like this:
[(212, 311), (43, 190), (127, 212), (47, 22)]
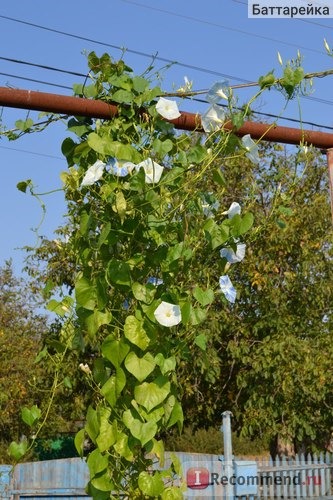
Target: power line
[(83, 75), (217, 25), (143, 54), (32, 153), (122, 49), (43, 66), (37, 81)]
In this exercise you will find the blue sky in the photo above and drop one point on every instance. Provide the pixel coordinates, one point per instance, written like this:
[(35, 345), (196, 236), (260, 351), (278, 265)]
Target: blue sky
[(209, 37)]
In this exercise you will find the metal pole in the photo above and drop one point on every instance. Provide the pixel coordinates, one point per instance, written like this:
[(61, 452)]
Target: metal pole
[(228, 458), (329, 154), (77, 106)]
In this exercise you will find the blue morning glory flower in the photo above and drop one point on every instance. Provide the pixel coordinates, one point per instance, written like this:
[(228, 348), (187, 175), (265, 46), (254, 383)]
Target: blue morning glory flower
[(227, 288), (217, 92), (155, 281), (120, 168), (213, 119), (232, 256)]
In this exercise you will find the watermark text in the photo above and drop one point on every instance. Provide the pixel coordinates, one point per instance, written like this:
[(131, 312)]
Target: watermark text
[(290, 9)]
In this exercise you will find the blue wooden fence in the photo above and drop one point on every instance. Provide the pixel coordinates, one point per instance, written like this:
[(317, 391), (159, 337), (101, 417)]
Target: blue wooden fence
[(303, 477), (203, 476)]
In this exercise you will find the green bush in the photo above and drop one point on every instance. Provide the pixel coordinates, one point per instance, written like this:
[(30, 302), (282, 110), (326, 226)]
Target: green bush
[(211, 441)]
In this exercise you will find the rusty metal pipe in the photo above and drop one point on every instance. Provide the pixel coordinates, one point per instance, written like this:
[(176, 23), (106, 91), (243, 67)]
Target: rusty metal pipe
[(77, 106)]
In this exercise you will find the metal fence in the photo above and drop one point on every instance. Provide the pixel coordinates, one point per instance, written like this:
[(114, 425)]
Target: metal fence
[(206, 477), (203, 476), (304, 476)]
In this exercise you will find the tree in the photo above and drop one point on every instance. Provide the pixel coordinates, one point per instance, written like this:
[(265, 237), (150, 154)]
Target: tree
[(21, 330), (279, 337)]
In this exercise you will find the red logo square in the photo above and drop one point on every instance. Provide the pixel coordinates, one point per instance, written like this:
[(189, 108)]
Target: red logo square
[(197, 478)]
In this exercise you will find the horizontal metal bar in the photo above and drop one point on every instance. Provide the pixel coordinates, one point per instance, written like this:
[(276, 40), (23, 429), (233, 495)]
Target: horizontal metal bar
[(49, 491), (77, 106)]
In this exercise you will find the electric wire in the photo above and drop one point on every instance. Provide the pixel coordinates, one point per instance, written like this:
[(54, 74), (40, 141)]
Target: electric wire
[(143, 54), (271, 115), (42, 66), (59, 85), (210, 23), (140, 53), (32, 153), (76, 73)]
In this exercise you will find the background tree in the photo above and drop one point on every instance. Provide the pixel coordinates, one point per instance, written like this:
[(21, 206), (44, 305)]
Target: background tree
[(21, 330), (279, 338), (27, 371)]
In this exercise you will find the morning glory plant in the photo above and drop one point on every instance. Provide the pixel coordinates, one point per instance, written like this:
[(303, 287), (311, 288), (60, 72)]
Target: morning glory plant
[(234, 209), (155, 281), (167, 108), (209, 205), (213, 119), (93, 174), (156, 214), (120, 168), (153, 171), (168, 314), (252, 149), (231, 256), (227, 288), (217, 92)]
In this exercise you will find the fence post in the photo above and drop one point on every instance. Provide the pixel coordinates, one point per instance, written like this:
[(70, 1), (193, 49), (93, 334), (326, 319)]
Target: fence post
[(228, 458)]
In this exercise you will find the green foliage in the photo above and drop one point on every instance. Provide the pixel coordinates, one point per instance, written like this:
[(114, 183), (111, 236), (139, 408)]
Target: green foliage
[(280, 351), (210, 440), (21, 330)]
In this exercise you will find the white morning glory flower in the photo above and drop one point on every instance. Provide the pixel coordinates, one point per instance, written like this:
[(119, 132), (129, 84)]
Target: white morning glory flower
[(168, 314), (232, 256), (213, 119), (217, 92), (234, 209), (153, 170), (251, 148), (93, 174), (167, 108), (120, 168), (155, 281), (227, 288)]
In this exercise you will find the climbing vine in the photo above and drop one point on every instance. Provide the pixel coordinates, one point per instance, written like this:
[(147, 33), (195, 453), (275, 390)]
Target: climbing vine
[(154, 246)]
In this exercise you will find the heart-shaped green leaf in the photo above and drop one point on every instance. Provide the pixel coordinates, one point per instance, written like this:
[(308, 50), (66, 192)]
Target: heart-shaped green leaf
[(151, 484), (140, 367), (30, 415), (135, 332), (144, 432), (18, 450), (150, 395)]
